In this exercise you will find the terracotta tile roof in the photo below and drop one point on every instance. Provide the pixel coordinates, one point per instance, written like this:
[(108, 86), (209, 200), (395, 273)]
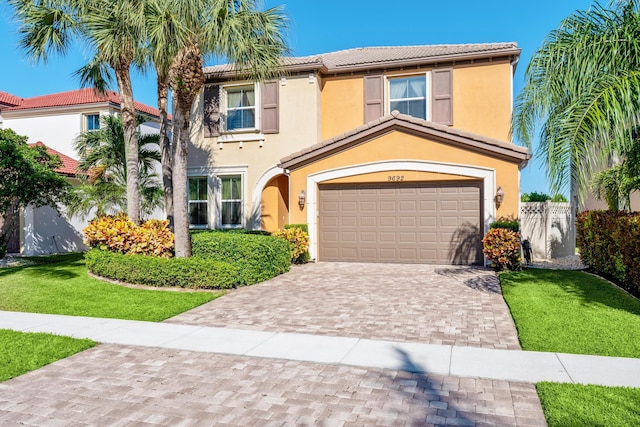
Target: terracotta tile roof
[(8, 99), (387, 56), (69, 165), (383, 124), (288, 62), (79, 97)]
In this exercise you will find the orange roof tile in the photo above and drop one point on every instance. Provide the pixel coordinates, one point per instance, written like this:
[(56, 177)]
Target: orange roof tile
[(8, 99), (79, 97), (69, 165)]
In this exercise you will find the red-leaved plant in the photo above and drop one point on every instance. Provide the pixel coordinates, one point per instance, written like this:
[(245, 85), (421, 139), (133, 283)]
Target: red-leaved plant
[(502, 247)]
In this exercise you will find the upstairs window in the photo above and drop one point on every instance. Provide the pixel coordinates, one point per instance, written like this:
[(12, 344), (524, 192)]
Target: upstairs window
[(408, 95), (241, 108), (198, 202), (92, 122)]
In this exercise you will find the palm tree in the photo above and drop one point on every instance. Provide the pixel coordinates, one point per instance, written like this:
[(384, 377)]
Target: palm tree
[(582, 93), (233, 29), (115, 30), (164, 28), (103, 153)]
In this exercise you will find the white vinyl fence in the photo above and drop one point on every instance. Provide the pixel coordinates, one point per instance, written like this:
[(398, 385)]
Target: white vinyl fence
[(549, 227)]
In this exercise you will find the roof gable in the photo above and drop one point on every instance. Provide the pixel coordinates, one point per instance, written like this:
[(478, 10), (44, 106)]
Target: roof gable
[(79, 97), (400, 122)]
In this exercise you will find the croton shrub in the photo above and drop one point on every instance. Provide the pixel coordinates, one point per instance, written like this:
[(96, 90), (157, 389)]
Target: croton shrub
[(501, 246), (298, 240), (117, 233), (609, 243)]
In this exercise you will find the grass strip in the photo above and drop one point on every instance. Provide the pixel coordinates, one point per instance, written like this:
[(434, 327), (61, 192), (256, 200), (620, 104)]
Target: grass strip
[(61, 285), (23, 352), (572, 312), (579, 405)]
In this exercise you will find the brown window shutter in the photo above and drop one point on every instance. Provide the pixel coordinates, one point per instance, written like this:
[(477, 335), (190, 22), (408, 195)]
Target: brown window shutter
[(442, 89), (211, 111), (373, 97), (270, 114)]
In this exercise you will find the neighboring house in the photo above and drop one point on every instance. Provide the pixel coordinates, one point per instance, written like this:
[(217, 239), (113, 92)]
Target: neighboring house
[(44, 230), (58, 119), (388, 154)]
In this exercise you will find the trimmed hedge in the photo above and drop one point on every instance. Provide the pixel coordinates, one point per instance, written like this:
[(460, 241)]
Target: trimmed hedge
[(509, 224), (196, 273), (258, 257), (609, 243)]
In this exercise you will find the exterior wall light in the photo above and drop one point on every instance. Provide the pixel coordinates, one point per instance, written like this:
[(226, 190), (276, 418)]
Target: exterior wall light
[(499, 196), (302, 198)]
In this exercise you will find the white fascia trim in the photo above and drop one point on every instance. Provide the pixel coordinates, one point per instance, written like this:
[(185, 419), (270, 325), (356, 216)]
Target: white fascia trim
[(487, 175), (256, 204)]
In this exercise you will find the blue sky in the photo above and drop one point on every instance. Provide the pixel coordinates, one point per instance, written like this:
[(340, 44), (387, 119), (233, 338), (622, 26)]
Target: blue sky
[(330, 25)]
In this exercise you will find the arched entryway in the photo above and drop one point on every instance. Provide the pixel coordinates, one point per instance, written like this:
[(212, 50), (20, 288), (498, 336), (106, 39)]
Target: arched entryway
[(274, 212)]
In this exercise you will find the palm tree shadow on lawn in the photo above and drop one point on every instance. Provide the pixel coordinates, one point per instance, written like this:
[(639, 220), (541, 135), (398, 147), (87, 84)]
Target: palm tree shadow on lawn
[(591, 290)]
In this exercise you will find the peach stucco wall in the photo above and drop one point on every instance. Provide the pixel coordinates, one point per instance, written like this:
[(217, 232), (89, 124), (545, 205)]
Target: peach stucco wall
[(481, 100), (402, 146)]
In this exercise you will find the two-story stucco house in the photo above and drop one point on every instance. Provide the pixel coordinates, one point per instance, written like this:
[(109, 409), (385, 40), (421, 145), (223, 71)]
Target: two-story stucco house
[(56, 120), (389, 154)]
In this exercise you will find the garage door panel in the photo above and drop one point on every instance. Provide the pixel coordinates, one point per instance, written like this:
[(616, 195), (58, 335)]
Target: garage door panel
[(371, 206), (407, 221), (349, 221), (387, 237), (449, 221), (400, 222), (368, 221), (388, 255), (449, 205), (388, 221), (387, 206)]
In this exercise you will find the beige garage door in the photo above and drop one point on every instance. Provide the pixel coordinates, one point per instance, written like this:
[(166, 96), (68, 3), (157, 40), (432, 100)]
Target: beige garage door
[(436, 223)]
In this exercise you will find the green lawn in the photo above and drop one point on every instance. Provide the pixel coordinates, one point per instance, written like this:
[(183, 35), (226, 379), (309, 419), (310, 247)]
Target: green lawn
[(60, 285), (575, 312), (572, 312), (589, 405), (23, 352)]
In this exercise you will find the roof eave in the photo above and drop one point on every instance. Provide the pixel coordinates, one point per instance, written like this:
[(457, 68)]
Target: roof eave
[(510, 52), (297, 68)]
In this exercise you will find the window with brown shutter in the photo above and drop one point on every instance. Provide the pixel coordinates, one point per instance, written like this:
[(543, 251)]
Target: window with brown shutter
[(211, 119), (442, 90), (373, 97), (270, 113)]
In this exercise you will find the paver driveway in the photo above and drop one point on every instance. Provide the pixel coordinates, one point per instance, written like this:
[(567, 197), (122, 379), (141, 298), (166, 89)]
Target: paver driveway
[(114, 385), (119, 385), (414, 303)]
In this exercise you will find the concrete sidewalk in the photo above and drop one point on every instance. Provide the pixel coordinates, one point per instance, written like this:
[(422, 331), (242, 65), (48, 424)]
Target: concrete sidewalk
[(471, 362)]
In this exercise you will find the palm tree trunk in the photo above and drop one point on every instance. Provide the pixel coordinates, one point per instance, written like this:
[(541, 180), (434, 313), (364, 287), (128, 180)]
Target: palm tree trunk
[(165, 148), (128, 112), (179, 174), (187, 78)]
